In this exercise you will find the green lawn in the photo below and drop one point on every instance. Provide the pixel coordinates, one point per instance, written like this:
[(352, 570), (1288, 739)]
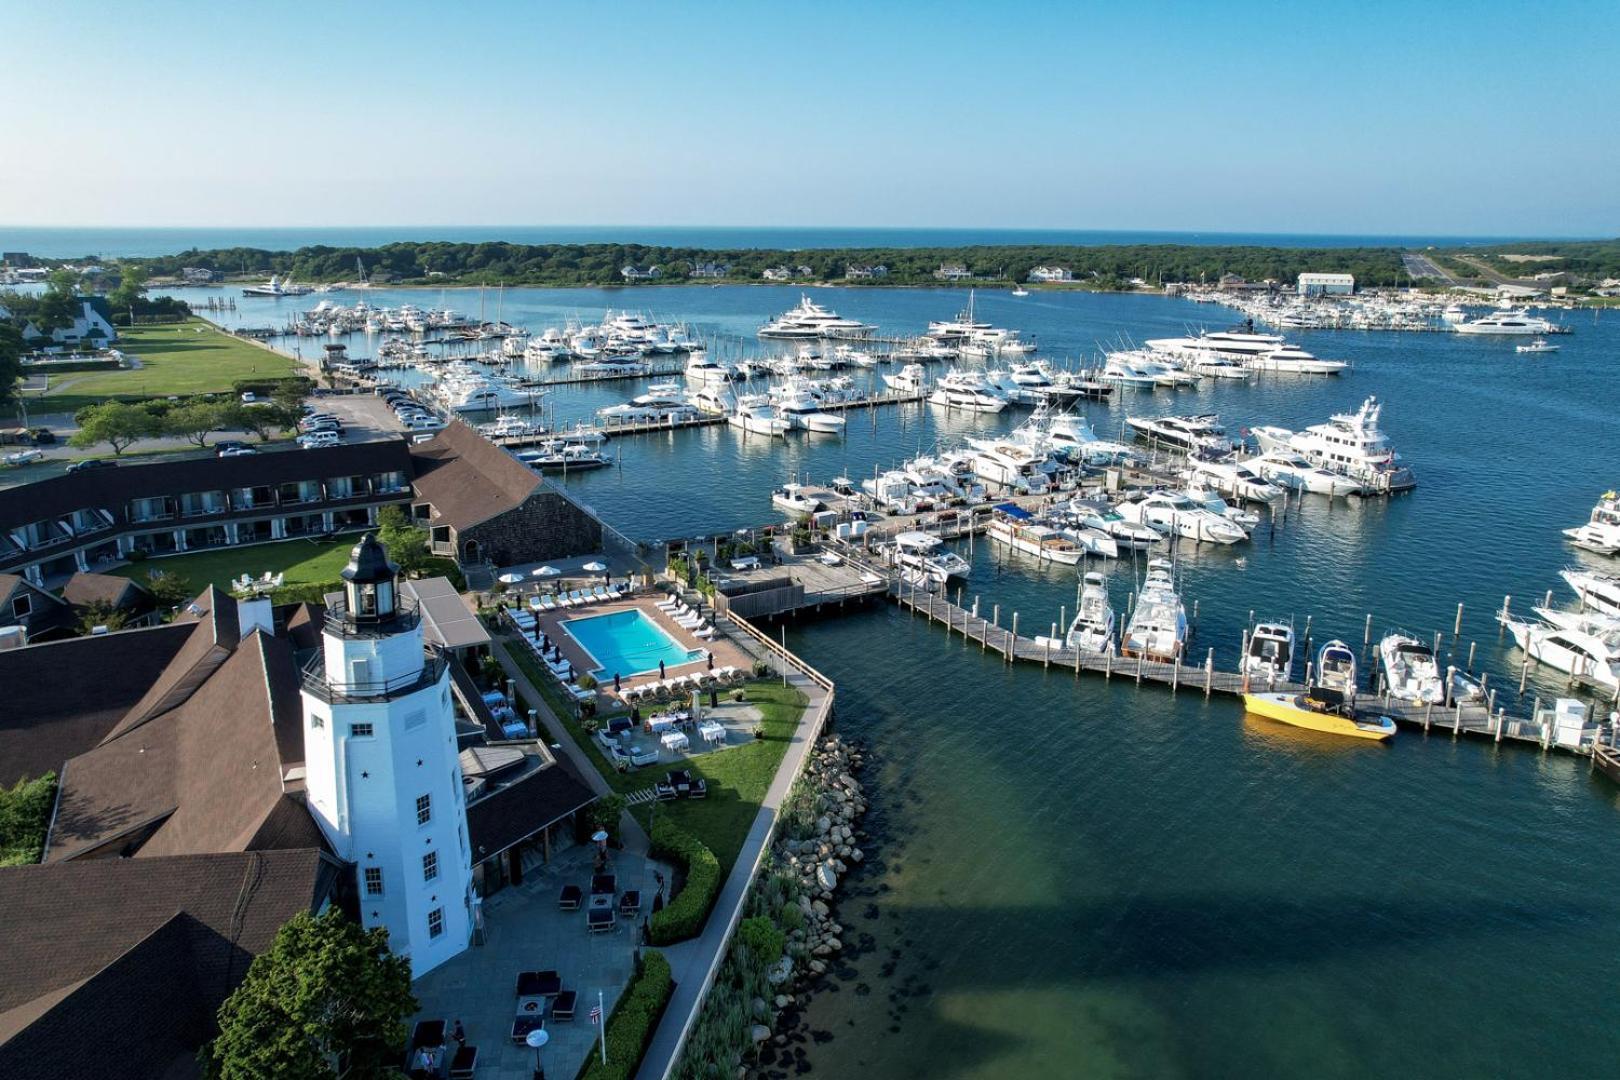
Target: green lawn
[(304, 562), (181, 358)]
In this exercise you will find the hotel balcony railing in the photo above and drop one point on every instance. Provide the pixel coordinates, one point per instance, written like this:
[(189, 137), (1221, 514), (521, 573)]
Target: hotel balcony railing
[(434, 665)]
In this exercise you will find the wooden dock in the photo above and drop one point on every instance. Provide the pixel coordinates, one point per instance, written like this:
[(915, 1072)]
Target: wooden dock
[(1461, 719)]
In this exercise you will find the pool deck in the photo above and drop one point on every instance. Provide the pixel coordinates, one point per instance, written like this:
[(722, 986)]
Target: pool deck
[(725, 652)]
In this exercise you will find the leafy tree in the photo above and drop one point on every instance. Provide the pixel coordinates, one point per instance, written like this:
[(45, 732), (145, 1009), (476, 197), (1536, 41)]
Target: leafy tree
[(25, 817), (131, 283), (100, 613), (11, 348), (168, 588), (406, 542), (327, 1000), (194, 421), (58, 306), (261, 420), (116, 423)]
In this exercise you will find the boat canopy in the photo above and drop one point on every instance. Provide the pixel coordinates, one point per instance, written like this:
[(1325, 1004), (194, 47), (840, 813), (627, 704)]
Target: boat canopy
[(1015, 511)]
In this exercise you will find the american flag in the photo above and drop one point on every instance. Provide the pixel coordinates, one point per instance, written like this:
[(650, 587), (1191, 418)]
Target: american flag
[(596, 1014)]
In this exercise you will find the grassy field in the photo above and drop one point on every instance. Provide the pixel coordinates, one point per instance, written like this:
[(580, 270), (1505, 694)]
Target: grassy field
[(302, 561), (183, 358)]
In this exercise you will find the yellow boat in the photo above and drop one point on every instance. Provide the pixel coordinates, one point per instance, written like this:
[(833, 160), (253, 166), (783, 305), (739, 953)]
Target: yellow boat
[(1302, 711)]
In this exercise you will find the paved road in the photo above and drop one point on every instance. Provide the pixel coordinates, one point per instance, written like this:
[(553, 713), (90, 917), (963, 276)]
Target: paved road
[(1421, 266)]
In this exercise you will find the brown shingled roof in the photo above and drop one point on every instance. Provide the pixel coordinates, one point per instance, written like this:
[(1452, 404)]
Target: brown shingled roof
[(203, 776), (85, 588), (62, 698), (469, 479), (519, 810), (148, 946), (216, 630)]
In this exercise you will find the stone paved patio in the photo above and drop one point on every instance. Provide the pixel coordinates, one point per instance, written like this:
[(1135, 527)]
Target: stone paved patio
[(524, 930)]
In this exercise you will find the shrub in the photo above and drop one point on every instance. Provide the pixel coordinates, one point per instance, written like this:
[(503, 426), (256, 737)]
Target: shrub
[(762, 939), (684, 915), (634, 1018), (761, 669), (586, 682), (25, 818), (739, 695)]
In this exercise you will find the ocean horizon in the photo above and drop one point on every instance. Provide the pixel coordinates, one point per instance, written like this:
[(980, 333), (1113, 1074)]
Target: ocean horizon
[(71, 242)]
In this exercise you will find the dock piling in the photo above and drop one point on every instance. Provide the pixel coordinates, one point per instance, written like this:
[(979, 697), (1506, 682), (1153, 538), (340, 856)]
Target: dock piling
[(1456, 627), (1470, 667), (1366, 634), (1209, 673)]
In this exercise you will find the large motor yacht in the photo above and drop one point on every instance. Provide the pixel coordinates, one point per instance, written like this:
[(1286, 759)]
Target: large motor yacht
[(967, 390), (1509, 322), (1202, 434), (811, 322), (1349, 443)]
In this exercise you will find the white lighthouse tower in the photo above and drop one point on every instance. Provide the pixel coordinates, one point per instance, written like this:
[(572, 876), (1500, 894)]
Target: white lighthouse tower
[(383, 770)]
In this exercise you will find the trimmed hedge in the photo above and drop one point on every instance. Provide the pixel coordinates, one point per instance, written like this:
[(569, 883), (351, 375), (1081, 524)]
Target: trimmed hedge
[(683, 917), (635, 1017)]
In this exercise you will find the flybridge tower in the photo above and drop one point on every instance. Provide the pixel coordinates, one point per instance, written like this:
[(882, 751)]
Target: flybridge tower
[(382, 765)]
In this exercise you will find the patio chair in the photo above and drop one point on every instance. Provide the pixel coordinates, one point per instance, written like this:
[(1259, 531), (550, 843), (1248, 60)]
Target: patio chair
[(630, 902), (599, 921), (522, 1025), (670, 603), (548, 603), (604, 884), (664, 791), (569, 898), (538, 983), (563, 1007), (534, 603), (704, 633), (601, 593), (699, 789), (465, 1062)]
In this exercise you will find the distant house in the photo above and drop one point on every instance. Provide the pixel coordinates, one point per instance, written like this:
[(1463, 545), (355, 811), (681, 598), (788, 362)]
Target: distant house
[(709, 270), (859, 272), (1051, 273), (87, 592), (804, 271), (636, 273), (778, 273), (196, 275), (953, 272), (92, 328)]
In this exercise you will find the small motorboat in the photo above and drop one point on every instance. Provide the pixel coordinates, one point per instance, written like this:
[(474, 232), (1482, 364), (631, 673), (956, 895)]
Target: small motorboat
[(1319, 709), (1538, 345)]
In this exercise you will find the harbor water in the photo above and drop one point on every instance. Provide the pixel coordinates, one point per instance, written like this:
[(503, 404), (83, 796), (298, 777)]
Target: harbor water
[(1079, 877)]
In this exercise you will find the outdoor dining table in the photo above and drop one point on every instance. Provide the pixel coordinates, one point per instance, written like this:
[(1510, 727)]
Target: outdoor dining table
[(675, 740), (712, 731), (655, 724)]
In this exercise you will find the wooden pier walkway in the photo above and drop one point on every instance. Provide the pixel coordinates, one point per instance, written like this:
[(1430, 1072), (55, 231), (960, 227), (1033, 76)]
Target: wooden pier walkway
[(1048, 651)]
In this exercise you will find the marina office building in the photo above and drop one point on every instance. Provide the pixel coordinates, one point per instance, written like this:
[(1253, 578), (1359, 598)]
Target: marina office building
[(478, 503)]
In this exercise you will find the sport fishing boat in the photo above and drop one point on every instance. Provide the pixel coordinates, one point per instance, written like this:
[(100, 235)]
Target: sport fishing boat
[(1158, 626), (792, 498), (757, 416), (1270, 654), (1601, 533), (1328, 704), (701, 369), (563, 456), (1092, 630), (1600, 592), (812, 322), (1349, 443), (911, 379), (1411, 672), (1013, 527), (802, 410)]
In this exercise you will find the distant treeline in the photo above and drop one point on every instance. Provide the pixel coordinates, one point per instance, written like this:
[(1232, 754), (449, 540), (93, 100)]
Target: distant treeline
[(1106, 267), (1598, 259)]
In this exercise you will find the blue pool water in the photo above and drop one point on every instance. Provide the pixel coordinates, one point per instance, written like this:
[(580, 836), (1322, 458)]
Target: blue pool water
[(627, 643)]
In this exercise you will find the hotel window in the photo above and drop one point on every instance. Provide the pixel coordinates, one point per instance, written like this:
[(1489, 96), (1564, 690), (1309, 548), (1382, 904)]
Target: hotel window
[(430, 866), (436, 922), (22, 606), (360, 731), (373, 881), (424, 809)]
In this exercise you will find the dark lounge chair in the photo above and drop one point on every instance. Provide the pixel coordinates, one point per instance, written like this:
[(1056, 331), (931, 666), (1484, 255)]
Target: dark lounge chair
[(604, 884), (681, 781), (569, 898), (664, 791), (599, 920), (522, 1025), (428, 1033), (538, 983), (700, 789), (630, 902), (563, 1007), (465, 1063)]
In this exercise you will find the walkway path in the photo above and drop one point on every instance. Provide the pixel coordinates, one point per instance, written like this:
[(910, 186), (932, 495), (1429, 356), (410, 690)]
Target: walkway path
[(695, 962)]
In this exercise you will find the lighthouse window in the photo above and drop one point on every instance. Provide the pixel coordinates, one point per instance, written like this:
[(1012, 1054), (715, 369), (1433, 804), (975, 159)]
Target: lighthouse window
[(430, 866), (373, 881), (360, 731), (424, 809), (368, 600), (436, 922)]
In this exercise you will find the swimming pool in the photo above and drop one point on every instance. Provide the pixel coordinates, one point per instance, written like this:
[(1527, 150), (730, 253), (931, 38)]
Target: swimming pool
[(627, 643)]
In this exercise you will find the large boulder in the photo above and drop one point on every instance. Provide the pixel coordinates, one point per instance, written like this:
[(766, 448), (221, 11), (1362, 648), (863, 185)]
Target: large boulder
[(826, 878)]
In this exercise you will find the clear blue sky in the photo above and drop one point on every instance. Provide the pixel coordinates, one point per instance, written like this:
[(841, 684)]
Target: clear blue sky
[(1350, 117)]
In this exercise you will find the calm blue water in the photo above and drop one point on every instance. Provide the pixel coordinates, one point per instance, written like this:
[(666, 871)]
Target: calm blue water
[(1089, 878), (72, 243), (626, 643)]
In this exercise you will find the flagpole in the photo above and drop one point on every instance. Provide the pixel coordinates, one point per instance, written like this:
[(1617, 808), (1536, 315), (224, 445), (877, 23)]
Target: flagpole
[(602, 1027)]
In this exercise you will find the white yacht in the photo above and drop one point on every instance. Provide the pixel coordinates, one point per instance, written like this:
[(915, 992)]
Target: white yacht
[(1092, 630), (812, 322), (700, 368), (468, 392), (1349, 443), (1210, 499), (1042, 541), (793, 499), (712, 399), (1336, 670), (612, 367), (1126, 533), (511, 427), (849, 356), (803, 410), (1236, 479), (514, 345), (1539, 345), (1270, 656), (1589, 650), (1601, 533), (1228, 345), (277, 286), (1508, 321), (547, 348), (1123, 370), (1287, 469), (757, 416), (911, 379), (1292, 360), (1012, 465), (1157, 629), (1600, 592), (563, 456), (1411, 672), (1174, 513), (967, 390), (1189, 434), (922, 556)]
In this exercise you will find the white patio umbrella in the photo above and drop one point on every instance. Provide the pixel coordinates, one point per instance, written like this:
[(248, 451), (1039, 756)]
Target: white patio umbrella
[(510, 579), (546, 571), (594, 567)]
